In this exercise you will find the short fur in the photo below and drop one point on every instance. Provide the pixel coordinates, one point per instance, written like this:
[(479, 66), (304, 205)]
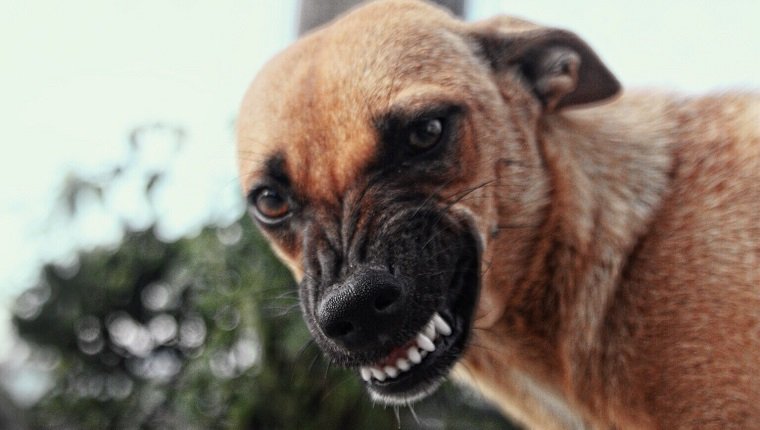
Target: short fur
[(620, 262)]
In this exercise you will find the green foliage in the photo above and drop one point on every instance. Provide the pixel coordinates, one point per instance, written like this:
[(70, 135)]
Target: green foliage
[(253, 368)]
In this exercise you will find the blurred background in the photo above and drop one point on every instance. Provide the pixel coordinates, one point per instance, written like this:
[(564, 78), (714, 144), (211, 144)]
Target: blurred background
[(134, 291)]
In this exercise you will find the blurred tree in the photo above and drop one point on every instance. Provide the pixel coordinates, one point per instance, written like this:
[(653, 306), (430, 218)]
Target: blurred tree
[(191, 334)]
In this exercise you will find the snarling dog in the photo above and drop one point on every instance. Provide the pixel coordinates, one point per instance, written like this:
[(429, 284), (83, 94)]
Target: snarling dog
[(478, 197)]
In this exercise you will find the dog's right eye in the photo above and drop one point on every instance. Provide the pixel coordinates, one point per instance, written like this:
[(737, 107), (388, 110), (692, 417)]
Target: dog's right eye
[(269, 206)]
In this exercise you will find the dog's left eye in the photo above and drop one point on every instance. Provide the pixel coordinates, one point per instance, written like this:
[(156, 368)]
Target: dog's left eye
[(426, 134), (269, 206)]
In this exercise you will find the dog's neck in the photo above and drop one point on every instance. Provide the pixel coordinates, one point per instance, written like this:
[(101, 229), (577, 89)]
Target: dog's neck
[(608, 179), (609, 171)]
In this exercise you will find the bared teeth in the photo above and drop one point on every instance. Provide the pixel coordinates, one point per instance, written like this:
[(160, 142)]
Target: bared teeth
[(423, 345), (441, 325), (429, 330), (403, 364), (414, 355), (391, 371), (366, 373), (377, 373)]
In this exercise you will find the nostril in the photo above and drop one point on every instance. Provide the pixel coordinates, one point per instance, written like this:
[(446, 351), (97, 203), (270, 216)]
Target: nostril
[(339, 329), (386, 298), (363, 309)]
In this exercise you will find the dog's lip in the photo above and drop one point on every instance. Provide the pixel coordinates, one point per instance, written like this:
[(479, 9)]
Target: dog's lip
[(424, 377)]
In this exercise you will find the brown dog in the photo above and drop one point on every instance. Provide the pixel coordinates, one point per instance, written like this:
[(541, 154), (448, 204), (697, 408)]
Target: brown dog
[(584, 268)]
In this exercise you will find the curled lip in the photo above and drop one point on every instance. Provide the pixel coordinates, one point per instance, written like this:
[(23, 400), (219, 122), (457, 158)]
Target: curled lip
[(399, 386)]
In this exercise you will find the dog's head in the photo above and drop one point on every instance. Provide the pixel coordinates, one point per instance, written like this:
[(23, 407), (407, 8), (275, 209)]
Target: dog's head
[(391, 158)]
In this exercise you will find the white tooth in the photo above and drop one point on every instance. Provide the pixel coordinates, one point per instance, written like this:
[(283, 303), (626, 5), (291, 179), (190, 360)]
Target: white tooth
[(429, 330), (414, 354), (423, 353), (377, 373), (391, 371), (441, 325), (425, 343), (403, 364), (366, 373)]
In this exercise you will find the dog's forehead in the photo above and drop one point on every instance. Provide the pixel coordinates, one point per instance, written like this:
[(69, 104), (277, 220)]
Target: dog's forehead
[(315, 105)]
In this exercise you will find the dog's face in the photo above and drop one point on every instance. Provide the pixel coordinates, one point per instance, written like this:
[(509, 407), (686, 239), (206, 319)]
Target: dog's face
[(391, 159)]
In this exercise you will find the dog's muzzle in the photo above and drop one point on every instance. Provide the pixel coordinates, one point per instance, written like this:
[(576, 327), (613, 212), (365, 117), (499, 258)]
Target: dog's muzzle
[(401, 313)]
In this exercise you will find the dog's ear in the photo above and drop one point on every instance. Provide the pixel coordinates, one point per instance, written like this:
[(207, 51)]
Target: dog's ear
[(560, 68)]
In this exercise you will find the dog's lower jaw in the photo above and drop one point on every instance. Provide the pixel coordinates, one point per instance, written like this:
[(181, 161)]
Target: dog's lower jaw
[(406, 399)]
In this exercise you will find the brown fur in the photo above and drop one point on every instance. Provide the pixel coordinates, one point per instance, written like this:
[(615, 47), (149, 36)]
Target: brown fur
[(621, 243)]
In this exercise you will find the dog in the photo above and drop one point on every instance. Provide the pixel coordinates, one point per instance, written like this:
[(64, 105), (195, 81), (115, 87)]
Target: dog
[(479, 199)]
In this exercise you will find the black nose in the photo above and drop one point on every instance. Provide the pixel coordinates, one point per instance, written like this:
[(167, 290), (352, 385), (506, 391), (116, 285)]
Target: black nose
[(365, 309)]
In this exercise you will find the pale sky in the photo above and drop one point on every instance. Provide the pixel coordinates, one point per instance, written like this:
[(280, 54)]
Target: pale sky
[(78, 75)]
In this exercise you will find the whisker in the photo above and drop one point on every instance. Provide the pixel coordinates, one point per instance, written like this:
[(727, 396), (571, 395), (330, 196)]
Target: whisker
[(281, 311), (327, 369), (414, 414), (303, 348), (313, 361)]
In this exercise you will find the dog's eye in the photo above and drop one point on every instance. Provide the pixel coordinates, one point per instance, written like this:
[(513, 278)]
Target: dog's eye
[(269, 206), (426, 134)]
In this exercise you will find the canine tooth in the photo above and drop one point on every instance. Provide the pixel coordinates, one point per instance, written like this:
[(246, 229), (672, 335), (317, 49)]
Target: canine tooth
[(403, 364), (414, 354), (441, 325), (429, 330), (391, 371), (377, 373), (423, 353), (425, 343), (366, 373)]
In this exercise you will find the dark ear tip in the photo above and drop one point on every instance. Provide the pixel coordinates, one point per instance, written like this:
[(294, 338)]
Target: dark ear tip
[(608, 87), (613, 86), (541, 55), (600, 86), (616, 88)]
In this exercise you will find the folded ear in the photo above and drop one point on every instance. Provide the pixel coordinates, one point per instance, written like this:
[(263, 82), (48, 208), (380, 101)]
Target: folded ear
[(560, 68)]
